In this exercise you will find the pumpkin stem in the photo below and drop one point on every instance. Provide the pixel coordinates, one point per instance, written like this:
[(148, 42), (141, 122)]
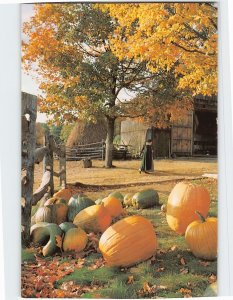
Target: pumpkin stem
[(200, 216)]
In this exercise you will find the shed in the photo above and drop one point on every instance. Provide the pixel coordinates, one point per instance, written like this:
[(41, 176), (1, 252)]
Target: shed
[(194, 134)]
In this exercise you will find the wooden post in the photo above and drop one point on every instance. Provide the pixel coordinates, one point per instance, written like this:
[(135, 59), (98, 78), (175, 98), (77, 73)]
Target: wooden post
[(29, 112), (48, 159), (62, 166)]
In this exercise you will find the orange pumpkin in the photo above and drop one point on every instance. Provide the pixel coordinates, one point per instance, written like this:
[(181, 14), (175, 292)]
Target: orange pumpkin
[(128, 241), (75, 239), (201, 237), (64, 194), (113, 205), (183, 201), (95, 218)]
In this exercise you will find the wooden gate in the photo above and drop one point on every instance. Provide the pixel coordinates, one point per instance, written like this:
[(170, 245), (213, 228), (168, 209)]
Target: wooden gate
[(182, 136)]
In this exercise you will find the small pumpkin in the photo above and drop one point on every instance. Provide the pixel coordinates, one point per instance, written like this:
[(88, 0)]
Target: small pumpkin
[(60, 210), (75, 240), (95, 218), (66, 226), (128, 199), (113, 205), (117, 195), (201, 237), (184, 200), (77, 203), (44, 214), (64, 194), (145, 199), (128, 241)]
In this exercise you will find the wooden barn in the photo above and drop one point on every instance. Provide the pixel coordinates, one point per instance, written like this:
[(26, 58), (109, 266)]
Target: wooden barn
[(195, 134)]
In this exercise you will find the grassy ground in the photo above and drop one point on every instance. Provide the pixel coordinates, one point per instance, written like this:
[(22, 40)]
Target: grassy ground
[(173, 272)]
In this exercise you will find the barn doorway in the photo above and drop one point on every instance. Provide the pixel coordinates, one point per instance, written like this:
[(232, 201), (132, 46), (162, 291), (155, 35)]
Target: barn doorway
[(205, 132)]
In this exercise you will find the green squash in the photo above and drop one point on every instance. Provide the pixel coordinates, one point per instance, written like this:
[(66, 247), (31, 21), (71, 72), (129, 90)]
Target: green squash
[(212, 290), (46, 234), (54, 232), (66, 226), (77, 203), (145, 199), (39, 234)]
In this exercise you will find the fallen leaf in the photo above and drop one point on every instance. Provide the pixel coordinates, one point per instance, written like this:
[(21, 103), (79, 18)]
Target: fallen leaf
[(130, 280), (184, 271), (204, 263), (182, 261), (212, 278), (160, 270), (173, 248), (58, 241)]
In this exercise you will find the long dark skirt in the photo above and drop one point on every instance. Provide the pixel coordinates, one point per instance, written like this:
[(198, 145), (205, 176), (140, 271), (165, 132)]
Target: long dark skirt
[(147, 159)]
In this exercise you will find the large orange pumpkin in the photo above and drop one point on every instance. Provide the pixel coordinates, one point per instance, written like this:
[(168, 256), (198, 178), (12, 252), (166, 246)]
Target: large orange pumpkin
[(128, 241), (201, 237), (113, 205), (183, 201), (75, 239), (95, 218)]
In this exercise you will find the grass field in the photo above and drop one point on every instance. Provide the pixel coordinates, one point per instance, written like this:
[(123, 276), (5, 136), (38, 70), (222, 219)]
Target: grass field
[(172, 272)]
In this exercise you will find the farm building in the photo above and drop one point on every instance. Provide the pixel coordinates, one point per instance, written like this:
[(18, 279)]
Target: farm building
[(195, 134)]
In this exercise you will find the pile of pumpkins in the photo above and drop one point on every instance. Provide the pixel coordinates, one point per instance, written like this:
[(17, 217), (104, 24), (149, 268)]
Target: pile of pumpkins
[(131, 239)]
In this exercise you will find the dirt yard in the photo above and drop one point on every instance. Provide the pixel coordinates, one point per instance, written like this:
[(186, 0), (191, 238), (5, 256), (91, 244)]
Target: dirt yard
[(97, 181)]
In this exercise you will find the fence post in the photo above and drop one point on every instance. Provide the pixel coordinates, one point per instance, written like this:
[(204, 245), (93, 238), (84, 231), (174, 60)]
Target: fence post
[(62, 166), (48, 160), (29, 112)]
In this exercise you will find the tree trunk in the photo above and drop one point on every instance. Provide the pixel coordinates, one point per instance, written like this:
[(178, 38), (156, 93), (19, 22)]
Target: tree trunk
[(109, 142)]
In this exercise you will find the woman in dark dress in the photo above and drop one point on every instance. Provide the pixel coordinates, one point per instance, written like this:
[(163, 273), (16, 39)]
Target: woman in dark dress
[(147, 158)]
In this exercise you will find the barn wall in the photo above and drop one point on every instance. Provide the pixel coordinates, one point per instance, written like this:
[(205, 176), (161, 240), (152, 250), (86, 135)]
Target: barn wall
[(133, 133)]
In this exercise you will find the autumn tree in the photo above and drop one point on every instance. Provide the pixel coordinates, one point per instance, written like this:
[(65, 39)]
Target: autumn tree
[(182, 36), (69, 47), (72, 48)]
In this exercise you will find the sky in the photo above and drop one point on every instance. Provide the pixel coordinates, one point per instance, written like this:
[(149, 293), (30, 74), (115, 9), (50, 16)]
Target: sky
[(28, 83)]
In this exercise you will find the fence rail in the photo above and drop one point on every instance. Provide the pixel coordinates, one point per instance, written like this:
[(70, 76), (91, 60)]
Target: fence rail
[(79, 152)]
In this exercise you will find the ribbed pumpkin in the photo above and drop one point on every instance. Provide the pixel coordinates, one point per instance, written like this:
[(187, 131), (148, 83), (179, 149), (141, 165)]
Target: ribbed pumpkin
[(117, 195), (128, 241), (128, 199), (145, 199), (113, 205), (201, 237), (64, 194), (66, 226), (95, 218), (75, 240), (183, 201), (77, 203), (39, 234), (44, 214)]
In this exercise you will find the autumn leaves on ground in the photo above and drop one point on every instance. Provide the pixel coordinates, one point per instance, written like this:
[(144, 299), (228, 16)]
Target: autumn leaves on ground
[(173, 271)]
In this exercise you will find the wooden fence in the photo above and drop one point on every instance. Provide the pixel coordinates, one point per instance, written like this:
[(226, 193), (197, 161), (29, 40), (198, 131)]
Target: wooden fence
[(32, 155), (94, 151), (79, 152)]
